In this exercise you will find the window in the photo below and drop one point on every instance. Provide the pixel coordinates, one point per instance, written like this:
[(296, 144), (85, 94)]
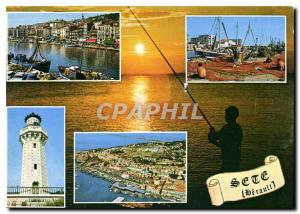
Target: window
[(35, 166), (34, 145)]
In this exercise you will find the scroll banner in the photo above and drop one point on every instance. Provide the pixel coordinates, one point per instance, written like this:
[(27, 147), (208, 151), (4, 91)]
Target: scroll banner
[(237, 186)]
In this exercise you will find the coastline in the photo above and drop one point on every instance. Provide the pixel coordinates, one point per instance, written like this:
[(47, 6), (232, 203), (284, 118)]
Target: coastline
[(113, 179)]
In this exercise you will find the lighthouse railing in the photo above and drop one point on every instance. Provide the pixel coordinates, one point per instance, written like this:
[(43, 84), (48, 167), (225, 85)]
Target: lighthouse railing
[(35, 190)]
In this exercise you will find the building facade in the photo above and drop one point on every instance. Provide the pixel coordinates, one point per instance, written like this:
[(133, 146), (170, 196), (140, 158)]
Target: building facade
[(203, 40)]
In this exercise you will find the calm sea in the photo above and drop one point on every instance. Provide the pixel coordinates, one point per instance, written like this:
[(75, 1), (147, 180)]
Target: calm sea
[(266, 116), (104, 61)]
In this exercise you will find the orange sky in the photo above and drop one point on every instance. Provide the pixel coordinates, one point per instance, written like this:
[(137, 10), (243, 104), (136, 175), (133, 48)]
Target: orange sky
[(167, 28)]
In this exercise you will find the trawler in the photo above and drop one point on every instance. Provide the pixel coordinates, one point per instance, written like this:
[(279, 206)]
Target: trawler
[(39, 64), (35, 61)]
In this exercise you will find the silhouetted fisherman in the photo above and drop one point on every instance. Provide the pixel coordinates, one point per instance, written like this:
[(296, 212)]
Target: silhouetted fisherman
[(229, 140)]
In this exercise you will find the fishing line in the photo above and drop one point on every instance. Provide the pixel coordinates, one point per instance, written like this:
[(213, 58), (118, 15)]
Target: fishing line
[(173, 70)]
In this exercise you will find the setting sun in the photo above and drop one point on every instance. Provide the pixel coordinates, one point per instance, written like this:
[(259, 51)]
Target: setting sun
[(140, 49)]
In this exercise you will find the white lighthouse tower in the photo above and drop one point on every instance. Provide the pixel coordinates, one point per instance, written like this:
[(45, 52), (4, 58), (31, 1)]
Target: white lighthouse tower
[(33, 139)]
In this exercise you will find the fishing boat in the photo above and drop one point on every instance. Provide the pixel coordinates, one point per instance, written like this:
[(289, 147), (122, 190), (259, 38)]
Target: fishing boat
[(228, 49), (208, 53), (39, 64), (72, 72), (70, 45), (76, 73), (19, 76), (36, 60)]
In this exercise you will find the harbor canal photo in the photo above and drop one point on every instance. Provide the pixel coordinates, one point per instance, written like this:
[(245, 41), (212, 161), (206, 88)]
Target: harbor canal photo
[(63, 46)]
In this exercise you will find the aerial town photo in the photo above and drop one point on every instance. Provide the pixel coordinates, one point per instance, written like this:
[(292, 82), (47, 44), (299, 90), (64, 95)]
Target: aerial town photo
[(129, 167), (63, 46), (36, 157), (235, 49)]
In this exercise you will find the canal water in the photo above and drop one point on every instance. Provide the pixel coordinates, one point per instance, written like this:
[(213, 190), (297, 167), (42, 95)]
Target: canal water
[(266, 116), (190, 54), (95, 189), (99, 60)]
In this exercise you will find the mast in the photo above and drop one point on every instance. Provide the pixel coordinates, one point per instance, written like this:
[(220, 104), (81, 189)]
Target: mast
[(223, 25), (219, 34), (214, 26), (237, 33), (33, 56), (248, 31)]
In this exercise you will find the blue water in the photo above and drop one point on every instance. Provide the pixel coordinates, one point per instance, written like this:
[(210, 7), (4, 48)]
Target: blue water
[(190, 54), (94, 189), (88, 141)]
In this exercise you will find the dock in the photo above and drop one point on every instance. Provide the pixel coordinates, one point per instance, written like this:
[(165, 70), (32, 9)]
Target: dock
[(128, 189)]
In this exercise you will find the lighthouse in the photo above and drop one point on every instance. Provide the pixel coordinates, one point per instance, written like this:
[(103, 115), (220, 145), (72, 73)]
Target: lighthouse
[(33, 139)]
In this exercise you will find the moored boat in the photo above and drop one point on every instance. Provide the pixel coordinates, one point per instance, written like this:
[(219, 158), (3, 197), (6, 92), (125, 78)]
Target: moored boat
[(36, 60), (75, 73)]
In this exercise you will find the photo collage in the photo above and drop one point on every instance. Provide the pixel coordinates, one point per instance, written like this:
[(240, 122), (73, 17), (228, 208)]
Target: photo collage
[(153, 107)]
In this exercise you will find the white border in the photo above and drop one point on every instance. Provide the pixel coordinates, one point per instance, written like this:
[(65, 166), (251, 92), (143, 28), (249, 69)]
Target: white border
[(132, 202), (86, 12), (209, 81), (58, 107)]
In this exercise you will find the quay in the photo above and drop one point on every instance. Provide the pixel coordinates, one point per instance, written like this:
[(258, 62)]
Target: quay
[(72, 45), (128, 189)]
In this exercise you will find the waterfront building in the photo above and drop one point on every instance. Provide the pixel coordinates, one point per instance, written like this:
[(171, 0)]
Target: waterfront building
[(33, 139), (20, 32), (12, 32), (74, 34), (93, 34), (99, 31), (56, 24), (108, 31), (46, 32), (201, 40), (55, 32), (97, 25), (85, 30), (64, 33)]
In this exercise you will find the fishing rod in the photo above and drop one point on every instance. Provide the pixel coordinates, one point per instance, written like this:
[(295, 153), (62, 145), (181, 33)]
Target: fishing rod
[(173, 70)]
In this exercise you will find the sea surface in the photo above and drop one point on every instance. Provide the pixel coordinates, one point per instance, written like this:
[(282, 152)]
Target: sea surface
[(266, 117), (94, 189), (104, 61)]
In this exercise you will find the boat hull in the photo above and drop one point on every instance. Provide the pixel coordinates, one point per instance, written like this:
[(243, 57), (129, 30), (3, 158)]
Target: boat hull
[(42, 66)]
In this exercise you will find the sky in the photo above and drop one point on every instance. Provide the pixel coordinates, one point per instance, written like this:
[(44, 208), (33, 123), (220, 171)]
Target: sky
[(262, 27), (86, 141), (53, 124), (15, 19)]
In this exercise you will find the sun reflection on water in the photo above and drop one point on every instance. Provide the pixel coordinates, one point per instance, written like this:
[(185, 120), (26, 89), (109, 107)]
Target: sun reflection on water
[(140, 90)]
